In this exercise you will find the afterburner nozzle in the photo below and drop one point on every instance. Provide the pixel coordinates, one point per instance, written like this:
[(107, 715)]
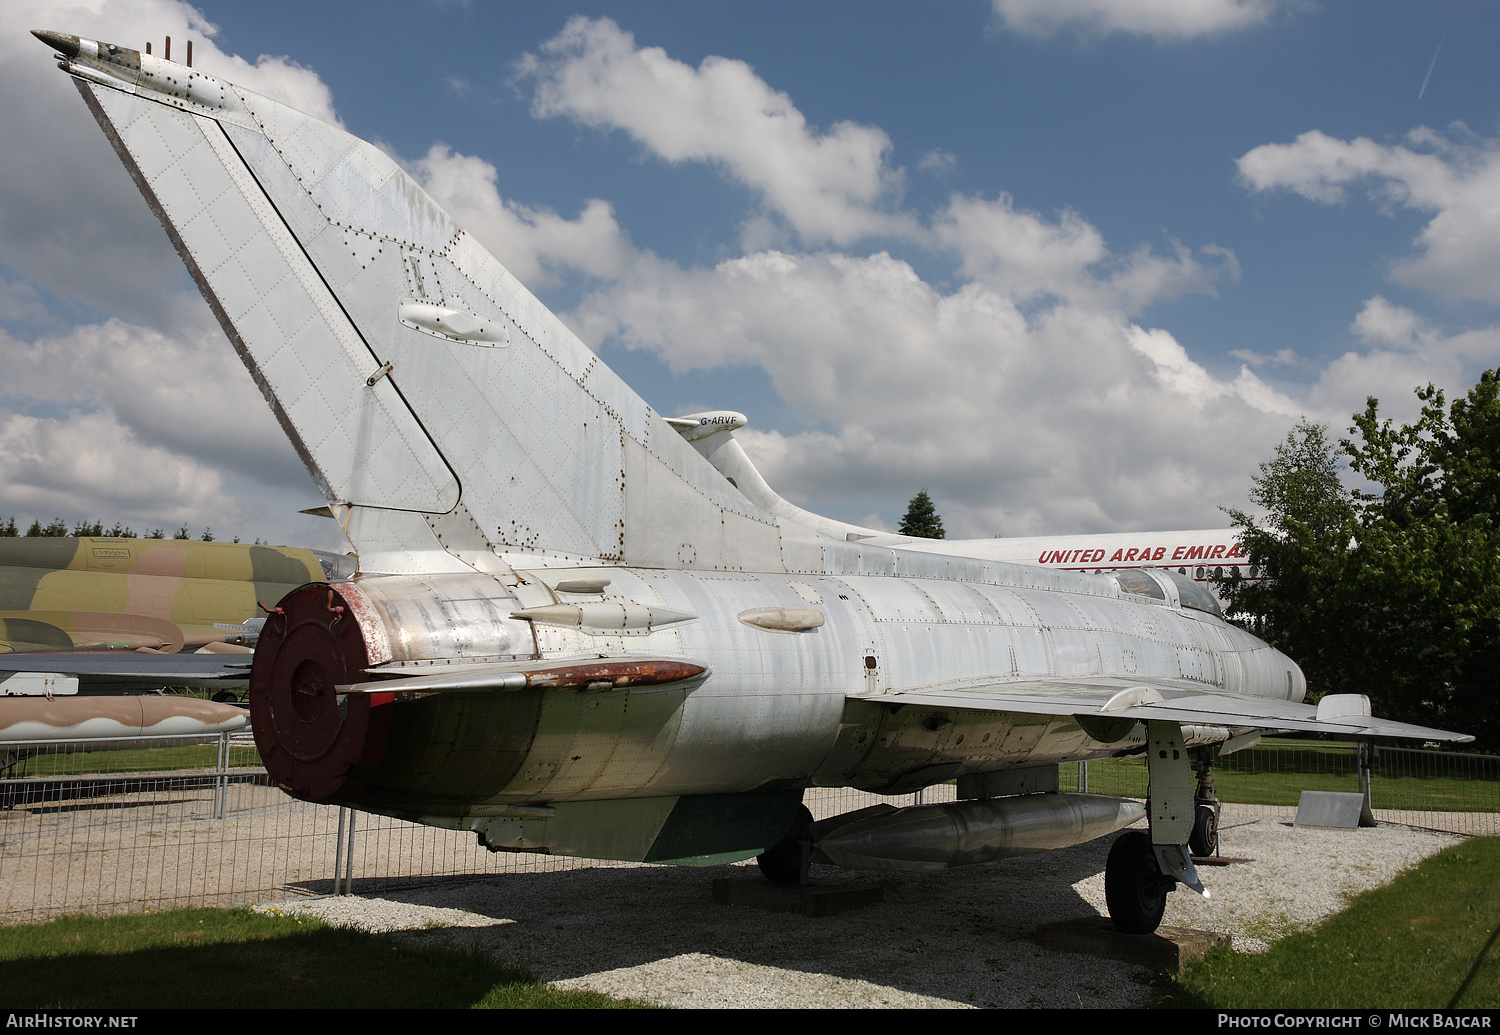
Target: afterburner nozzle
[(67, 46)]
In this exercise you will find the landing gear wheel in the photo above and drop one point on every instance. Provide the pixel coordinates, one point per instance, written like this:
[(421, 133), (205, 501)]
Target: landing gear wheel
[(1204, 840), (782, 863), (1134, 888)]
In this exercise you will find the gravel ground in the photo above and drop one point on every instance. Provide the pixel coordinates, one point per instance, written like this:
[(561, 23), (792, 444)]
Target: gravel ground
[(956, 939)]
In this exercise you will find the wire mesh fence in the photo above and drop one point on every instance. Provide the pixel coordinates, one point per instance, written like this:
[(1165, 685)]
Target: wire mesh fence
[(166, 822), (1439, 790)]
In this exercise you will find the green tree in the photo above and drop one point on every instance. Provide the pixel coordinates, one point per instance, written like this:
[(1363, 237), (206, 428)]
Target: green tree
[(1309, 528), (1392, 591), (922, 518)]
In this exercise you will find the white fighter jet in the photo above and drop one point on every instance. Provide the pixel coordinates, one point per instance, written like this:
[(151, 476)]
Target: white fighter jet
[(580, 627)]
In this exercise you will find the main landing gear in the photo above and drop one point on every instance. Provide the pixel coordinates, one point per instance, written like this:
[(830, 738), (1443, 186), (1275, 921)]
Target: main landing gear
[(1204, 840), (788, 860), (1144, 867), (1134, 888)]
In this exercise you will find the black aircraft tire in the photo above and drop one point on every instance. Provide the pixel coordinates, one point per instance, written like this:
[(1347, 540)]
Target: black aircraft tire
[(782, 862), (1134, 888), (1204, 840)]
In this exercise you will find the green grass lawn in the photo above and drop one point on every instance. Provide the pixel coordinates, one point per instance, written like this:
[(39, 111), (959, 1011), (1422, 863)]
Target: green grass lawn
[(237, 958), (132, 760), (1278, 770), (1427, 940)]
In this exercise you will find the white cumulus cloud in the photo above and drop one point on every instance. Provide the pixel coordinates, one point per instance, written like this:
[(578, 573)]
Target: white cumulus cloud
[(831, 186), (1065, 417), (1454, 176), (1025, 255), (533, 243), (1166, 21), (92, 467), (1402, 351)]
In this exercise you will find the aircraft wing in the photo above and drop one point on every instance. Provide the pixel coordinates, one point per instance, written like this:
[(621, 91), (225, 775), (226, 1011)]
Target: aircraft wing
[(111, 671), (1106, 700)]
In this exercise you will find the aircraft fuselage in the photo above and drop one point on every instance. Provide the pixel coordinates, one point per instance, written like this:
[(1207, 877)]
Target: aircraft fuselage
[(777, 710)]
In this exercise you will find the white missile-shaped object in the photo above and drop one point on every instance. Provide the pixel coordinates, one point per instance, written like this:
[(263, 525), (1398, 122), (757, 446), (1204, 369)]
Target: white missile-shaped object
[(68, 718), (925, 838), (114, 65)]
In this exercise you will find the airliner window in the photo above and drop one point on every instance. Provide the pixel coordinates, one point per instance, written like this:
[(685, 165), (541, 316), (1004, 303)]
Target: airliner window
[(1194, 595), (1133, 580)]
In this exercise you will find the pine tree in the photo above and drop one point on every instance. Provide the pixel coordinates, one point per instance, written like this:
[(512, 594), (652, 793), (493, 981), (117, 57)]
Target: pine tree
[(922, 518)]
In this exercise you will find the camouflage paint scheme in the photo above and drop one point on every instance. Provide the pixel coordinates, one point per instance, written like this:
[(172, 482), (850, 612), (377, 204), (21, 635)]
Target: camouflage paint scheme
[(65, 593), (63, 718)]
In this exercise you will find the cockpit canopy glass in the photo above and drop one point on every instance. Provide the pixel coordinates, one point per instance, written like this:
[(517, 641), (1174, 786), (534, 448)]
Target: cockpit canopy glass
[(1195, 595), (1133, 580)]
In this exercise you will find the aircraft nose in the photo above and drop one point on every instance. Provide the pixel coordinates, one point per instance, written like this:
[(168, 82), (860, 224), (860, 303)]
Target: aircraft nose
[(64, 44)]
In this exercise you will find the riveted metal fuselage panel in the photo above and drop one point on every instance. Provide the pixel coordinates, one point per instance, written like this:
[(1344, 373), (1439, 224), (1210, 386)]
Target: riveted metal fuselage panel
[(778, 709)]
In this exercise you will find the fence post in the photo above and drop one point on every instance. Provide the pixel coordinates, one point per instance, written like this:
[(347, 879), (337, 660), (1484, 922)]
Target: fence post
[(338, 853), (349, 858), (221, 779)]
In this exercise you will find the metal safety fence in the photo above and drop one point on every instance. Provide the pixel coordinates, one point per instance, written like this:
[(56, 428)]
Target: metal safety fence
[(1438, 790), (165, 822), (157, 823)]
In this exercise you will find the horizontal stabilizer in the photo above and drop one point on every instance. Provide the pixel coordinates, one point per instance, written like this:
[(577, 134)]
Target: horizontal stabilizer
[(553, 674)]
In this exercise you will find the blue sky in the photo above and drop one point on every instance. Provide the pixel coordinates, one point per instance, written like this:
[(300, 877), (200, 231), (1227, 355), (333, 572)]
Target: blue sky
[(1072, 265)]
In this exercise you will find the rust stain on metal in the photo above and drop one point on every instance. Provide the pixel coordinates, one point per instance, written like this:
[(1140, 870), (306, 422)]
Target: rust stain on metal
[(619, 674)]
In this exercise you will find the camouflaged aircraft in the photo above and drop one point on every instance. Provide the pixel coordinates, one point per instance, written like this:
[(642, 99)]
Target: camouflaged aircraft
[(580, 627), (92, 593), (105, 615)]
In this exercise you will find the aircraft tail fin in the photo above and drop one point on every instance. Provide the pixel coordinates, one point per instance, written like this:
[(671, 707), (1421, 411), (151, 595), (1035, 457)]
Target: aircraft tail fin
[(443, 411)]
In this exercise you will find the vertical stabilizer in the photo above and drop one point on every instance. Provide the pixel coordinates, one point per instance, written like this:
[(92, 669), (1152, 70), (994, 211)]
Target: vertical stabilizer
[(423, 385)]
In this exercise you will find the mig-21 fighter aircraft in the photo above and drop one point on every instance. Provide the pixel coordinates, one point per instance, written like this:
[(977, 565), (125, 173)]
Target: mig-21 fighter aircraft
[(576, 629)]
